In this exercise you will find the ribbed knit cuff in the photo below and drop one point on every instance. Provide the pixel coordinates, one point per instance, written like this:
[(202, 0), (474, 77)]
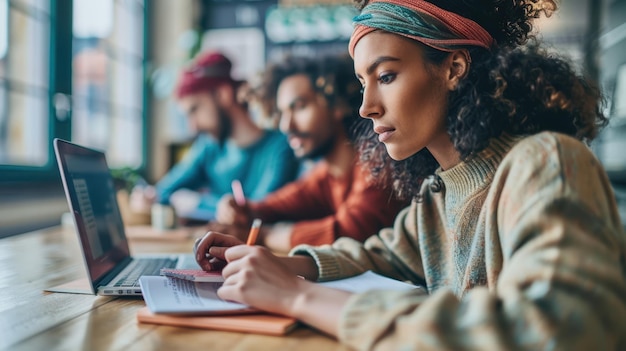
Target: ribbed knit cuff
[(367, 316), (357, 307), (327, 265)]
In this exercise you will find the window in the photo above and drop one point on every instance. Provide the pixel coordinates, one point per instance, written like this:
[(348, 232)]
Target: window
[(72, 69), (75, 70), (108, 57), (24, 83), (619, 95)]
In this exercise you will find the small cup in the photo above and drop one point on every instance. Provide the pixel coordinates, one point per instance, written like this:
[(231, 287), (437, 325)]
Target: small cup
[(163, 216)]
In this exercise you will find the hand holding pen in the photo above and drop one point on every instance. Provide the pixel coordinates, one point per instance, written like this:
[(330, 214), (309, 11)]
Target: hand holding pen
[(239, 196), (234, 210), (209, 250)]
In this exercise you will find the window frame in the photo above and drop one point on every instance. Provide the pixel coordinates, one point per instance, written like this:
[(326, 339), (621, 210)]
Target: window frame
[(60, 82), (28, 187)]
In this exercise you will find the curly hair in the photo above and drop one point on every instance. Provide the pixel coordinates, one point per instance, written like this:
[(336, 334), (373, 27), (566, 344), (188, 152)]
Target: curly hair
[(332, 76), (516, 88)]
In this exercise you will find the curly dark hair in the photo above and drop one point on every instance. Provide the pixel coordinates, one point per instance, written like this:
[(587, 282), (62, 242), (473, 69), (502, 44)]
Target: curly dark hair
[(516, 88), (331, 75)]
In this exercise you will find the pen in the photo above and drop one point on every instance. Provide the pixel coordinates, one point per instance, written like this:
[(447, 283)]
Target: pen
[(240, 198), (254, 231)]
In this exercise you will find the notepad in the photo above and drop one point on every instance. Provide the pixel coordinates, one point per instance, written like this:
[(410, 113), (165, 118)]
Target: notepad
[(262, 323), (184, 303), (194, 275), (179, 296)]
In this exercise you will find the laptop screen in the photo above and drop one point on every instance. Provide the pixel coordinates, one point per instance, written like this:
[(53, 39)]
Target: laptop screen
[(92, 199)]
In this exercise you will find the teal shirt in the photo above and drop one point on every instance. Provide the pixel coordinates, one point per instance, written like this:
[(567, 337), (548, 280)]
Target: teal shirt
[(261, 167)]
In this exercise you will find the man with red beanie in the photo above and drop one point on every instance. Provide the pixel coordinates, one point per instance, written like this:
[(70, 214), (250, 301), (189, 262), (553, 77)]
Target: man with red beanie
[(229, 144)]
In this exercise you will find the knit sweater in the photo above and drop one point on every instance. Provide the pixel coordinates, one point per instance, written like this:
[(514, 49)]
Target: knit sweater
[(262, 167), (520, 247), (325, 207)]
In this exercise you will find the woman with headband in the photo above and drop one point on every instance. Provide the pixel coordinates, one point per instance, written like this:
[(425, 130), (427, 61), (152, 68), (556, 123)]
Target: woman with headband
[(513, 230)]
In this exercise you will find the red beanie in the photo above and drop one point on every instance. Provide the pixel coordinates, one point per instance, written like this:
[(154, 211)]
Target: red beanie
[(208, 71)]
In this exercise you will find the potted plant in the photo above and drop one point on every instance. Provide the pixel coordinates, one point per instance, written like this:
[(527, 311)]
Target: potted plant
[(125, 180)]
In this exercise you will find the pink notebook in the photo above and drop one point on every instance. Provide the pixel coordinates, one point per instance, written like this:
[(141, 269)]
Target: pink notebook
[(194, 275)]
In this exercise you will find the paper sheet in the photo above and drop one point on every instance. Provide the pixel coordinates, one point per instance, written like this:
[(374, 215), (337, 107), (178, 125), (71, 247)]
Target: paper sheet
[(368, 281), (172, 295)]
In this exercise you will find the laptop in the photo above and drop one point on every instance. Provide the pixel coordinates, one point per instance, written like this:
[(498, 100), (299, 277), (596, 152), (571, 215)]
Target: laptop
[(91, 196)]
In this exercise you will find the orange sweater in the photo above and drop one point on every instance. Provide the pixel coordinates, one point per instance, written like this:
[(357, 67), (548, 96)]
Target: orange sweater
[(326, 208)]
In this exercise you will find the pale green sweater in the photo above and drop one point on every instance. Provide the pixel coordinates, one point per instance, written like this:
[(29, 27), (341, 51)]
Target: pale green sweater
[(520, 248)]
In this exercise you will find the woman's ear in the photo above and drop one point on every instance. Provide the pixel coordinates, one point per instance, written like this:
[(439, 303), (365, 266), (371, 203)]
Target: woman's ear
[(459, 65)]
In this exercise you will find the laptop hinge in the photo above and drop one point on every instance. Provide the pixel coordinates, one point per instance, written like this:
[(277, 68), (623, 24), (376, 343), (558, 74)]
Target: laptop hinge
[(114, 272)]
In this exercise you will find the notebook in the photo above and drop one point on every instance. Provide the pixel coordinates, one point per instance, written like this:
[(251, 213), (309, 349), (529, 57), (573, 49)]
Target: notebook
[(91, 196), (261, 323)]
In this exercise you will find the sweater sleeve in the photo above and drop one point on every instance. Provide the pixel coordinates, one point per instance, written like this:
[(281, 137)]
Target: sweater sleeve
[(359, 214), (188, 173), (324, 209), (391, 253), (298, 200), (562, 285), (275, 165)]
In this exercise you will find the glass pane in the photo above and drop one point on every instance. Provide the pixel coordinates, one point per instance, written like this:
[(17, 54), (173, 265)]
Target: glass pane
[(92, 18), (129, 28), (4, 28), (41, 6), (4, 42), (127, 81), (108, 80), (619, 97), (128, 125), (24, 72), (25, 131), (91, 102)]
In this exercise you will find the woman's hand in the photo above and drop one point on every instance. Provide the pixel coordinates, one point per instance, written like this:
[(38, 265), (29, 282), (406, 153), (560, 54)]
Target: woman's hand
[(209, 250), (254, 276), (230, 213)]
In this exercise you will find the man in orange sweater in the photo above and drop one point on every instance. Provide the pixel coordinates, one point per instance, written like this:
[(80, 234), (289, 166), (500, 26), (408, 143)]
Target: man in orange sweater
[(316, 102)]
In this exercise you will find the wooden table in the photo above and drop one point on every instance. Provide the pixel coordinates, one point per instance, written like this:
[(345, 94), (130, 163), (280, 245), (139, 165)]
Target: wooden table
[(31, 319)]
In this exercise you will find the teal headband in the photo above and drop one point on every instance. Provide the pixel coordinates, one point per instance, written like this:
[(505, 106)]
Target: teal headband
[(420, 21), (401, 20)]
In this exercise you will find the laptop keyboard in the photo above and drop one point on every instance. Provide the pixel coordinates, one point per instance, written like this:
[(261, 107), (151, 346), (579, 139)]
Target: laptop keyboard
[(143, 266)]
